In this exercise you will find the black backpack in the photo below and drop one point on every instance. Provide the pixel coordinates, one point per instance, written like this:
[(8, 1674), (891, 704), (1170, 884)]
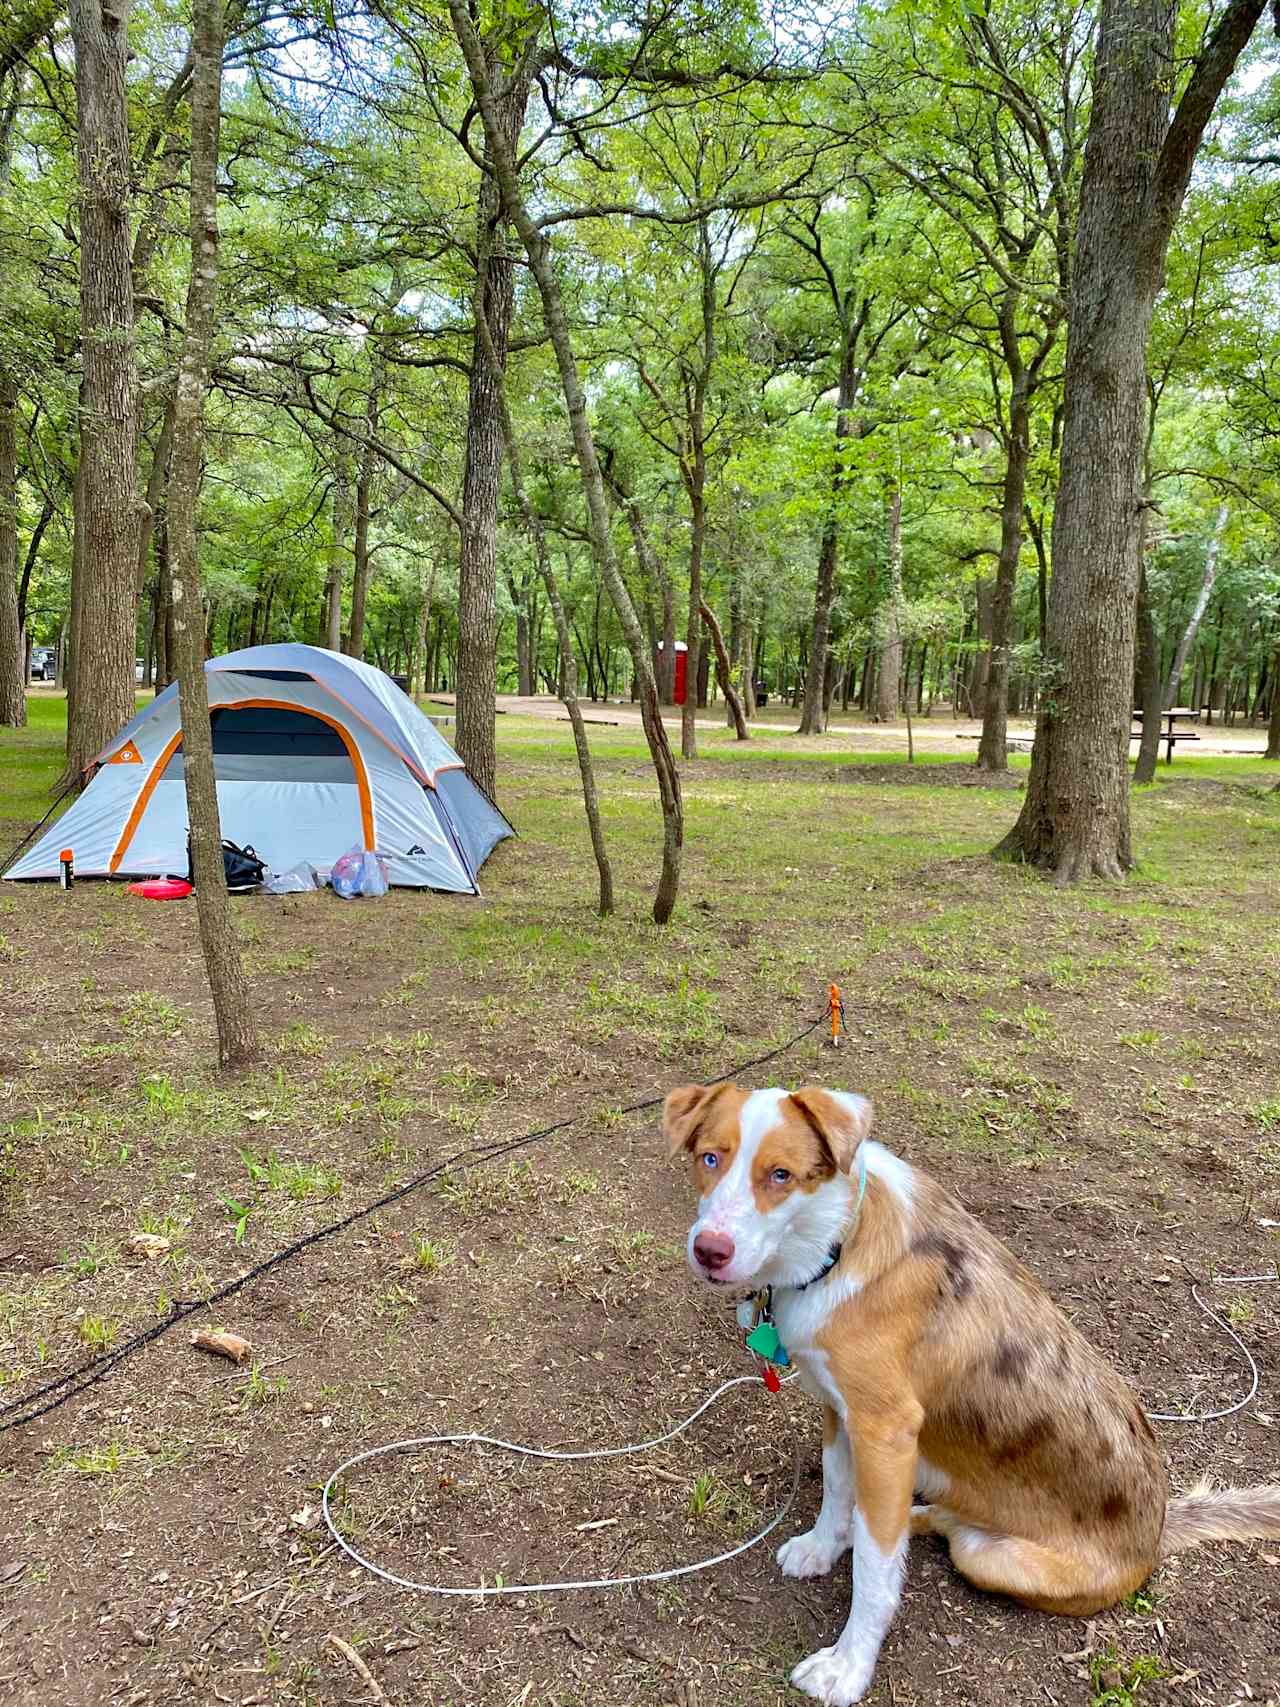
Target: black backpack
[(241, 867)]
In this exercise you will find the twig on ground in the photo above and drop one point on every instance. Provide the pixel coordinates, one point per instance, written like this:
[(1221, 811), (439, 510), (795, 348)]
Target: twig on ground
[(353, 1659)]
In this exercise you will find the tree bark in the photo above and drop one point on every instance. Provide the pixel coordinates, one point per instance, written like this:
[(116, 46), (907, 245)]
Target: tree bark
[(891, 643), (538, 250), (476, 685), (232, 1003), (13, 650), (107, 599), (724, 675), (1075, 816)]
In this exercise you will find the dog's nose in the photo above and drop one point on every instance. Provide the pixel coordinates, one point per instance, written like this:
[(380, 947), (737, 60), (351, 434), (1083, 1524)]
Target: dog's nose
[(713, 1250)]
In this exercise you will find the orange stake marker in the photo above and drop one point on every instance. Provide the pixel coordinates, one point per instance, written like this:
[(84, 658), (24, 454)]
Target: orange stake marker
[(837, 1010)]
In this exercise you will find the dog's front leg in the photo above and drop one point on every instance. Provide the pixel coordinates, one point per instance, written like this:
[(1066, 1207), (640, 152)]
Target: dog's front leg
[(885, 1453), (813, 1553)]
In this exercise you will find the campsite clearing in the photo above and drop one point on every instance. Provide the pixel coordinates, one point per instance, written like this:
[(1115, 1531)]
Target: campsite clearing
[(1093, 1071)]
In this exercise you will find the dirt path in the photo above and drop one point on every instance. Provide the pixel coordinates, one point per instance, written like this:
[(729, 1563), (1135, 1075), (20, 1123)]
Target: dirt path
[(956, 736)]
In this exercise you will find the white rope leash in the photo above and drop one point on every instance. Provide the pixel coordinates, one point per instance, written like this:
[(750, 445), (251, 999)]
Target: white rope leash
[(487, 1590), (482, 1590), (1230, 1411)]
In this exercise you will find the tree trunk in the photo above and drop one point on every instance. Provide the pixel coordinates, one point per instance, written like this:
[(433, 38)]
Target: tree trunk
[(813, 719), (107, 602), (338, 546), (992, 749), (155, 492), (568, 668), (13, 651), (539, 252), (724, 675), (891, 644), (364, 487), (1273, 727), (418, 683), (980, 664), (233, 1005), (1148, 685), (1201, 605), (1075, 815), (477, 685)]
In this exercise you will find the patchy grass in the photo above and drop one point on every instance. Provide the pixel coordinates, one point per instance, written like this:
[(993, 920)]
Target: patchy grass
[(1092, 1071)]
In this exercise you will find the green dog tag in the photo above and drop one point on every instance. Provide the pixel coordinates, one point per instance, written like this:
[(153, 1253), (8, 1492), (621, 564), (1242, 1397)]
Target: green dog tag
[(763, 1340)]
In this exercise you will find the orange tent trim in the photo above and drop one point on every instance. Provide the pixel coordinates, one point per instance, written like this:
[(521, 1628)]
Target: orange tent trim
[(171, 746)]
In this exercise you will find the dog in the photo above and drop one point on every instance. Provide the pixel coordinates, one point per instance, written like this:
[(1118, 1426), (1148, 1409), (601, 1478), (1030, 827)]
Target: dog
[(941, 1366)]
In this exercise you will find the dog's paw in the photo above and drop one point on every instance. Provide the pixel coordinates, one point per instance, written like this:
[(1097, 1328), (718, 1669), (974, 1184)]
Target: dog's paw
[(811, 1554), (833, 1677)]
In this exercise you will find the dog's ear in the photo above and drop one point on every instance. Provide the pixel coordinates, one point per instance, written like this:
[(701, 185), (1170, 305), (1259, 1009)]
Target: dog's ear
[(683, 1114), (841, 1119)]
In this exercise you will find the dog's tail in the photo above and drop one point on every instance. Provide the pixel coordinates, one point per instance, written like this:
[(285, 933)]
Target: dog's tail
[(1221, 1514)]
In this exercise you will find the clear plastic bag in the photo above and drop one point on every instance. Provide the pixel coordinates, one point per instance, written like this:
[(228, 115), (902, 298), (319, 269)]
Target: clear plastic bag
[(359, 872), (298, 880)]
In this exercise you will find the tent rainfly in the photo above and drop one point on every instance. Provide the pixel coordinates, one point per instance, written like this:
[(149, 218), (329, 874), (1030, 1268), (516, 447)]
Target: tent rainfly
[(314, 752)]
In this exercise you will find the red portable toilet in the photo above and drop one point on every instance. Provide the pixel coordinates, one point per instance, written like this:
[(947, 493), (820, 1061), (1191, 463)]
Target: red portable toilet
[(682, 670)]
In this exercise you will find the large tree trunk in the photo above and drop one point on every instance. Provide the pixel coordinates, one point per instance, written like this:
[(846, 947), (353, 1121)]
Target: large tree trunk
[(1188, 639), (477, 574), (13, 651), (992, 749), (1148, 685), (891, 643), (539, 252), (1075, 816), (232, 1003), (107, 601)]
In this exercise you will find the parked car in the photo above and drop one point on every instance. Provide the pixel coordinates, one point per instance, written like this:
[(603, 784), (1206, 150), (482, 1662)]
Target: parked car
[(44, 663)]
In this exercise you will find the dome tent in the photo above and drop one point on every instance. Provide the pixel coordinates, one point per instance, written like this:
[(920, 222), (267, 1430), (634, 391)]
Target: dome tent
[(314, 753)]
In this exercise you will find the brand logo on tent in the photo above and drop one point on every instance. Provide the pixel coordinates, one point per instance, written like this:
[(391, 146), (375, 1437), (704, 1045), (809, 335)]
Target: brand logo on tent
[(128, 755)]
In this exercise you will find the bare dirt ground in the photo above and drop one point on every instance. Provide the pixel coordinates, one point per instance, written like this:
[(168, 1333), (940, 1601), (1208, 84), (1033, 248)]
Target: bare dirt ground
[(1093, 1073)]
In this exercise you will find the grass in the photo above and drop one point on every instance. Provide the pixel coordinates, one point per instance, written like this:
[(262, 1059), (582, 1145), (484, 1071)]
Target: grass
[(1065, 1056)]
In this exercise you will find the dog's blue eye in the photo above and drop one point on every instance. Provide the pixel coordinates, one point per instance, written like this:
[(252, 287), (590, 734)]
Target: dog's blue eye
[(779, 1176), (709, 1159)]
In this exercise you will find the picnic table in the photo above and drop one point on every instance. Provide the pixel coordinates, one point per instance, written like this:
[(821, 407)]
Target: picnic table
[(1168, 733)]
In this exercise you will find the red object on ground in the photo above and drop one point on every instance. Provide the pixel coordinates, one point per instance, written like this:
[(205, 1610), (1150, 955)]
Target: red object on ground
[(772, 1380), (162, 888)]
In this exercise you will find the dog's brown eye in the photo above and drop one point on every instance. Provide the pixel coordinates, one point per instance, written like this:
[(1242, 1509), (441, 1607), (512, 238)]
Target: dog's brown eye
[(779, 1176)]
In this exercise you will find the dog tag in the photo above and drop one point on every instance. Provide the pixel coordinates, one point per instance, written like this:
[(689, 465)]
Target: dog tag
[(764, 1341)]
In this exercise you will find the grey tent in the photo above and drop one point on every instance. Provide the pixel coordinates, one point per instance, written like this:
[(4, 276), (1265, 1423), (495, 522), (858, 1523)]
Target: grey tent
[(314, 753)]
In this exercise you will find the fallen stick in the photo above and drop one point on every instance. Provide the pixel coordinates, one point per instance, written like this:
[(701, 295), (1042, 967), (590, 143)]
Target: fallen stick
[(353, 1659), (223, 1345)]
